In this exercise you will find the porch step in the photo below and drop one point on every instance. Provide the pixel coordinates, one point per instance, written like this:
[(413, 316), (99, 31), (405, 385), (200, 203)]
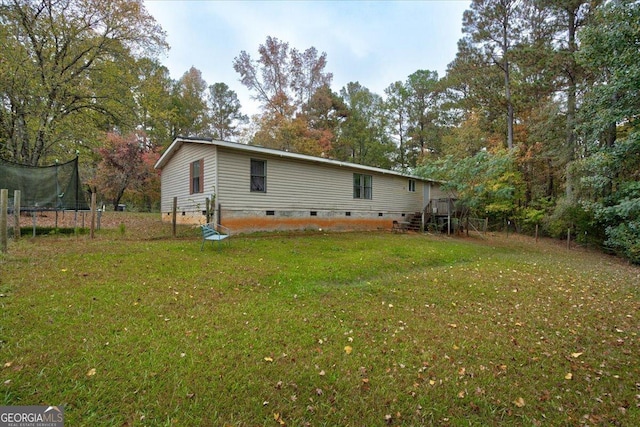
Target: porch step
[(415, 222)]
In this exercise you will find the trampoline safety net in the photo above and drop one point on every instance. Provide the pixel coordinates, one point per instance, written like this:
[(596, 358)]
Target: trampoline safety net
[(55, 187)]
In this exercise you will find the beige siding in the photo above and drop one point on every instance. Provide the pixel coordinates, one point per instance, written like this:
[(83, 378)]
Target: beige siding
[(295, 184), (437, 192), (302, 192), (175, 178)]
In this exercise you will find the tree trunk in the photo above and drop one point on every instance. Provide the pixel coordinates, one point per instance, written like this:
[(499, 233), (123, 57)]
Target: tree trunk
[(507, 83), (571, 101)]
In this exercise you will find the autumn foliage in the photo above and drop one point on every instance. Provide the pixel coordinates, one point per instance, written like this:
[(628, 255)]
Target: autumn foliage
[(126, 166)]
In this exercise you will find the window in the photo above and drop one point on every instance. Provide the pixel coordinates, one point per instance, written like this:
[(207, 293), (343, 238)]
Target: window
[(362, 186), (196, 176), (412, 185), (258, 176)]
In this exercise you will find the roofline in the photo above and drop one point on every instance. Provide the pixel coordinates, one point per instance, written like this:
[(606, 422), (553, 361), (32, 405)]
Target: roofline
[(177, 143)]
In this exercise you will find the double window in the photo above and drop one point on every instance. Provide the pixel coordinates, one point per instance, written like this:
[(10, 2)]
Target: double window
[(196, 177), (412, 185), (258, 176), (362, 186)]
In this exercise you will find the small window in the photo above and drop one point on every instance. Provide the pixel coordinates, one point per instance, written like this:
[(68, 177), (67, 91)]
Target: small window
[(362, 186), (313, 213), (412, 185), (196, 176), (347, 213), (270, 213), (258, 176)]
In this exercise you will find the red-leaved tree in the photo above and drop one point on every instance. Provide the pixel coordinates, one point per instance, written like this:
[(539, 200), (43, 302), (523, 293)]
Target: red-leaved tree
[(127, 165)]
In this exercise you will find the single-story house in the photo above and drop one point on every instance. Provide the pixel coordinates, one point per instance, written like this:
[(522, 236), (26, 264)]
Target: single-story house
[(257, 188)]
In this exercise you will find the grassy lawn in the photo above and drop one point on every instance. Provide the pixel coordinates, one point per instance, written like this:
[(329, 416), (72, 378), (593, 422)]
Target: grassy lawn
[(335, 329)]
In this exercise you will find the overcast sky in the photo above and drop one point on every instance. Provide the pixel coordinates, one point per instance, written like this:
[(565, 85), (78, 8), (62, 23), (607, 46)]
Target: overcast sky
[(372, 42)]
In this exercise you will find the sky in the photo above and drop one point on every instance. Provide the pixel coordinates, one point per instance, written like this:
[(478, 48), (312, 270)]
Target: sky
[(375, 43)]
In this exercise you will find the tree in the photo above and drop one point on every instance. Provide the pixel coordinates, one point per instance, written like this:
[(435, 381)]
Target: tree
[(566, 20), (126, 163), (363, 138), (491, 24), (284, 81), (65, 63), (153, 99), (487, 184), (224, 112), (190, 105), (325, 114), (609, 184), (472, 96), (424, 110), (397, 109)]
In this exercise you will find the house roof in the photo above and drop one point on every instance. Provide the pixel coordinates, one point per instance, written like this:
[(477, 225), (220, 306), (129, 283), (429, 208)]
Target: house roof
[(178, 142)]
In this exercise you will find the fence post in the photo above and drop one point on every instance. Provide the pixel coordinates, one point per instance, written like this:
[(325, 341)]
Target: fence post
[(93, 215), (568, 238), (16, 214), (4, 200), (536, 233)]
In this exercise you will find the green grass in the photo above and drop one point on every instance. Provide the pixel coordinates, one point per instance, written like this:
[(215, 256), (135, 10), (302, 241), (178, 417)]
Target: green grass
[(442, 331)]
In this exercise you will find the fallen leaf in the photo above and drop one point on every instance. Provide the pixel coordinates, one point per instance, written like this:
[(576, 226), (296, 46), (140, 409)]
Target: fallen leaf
[(91, 372), (268, 359), (348, 349), (576, 355), (569, 376), (278, 418), (461, 394), (8, 364), (519, 402)]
